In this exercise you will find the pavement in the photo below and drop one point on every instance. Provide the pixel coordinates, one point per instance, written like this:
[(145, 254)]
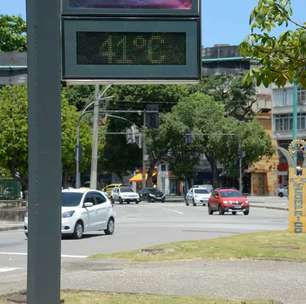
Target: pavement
[(268, 202)]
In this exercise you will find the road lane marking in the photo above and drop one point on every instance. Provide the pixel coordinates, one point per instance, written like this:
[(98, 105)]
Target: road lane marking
[(174, 211), (8, 269), (63, 255)]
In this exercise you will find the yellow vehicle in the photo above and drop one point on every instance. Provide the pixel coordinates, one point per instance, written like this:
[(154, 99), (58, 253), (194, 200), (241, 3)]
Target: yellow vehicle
[(108, 189)]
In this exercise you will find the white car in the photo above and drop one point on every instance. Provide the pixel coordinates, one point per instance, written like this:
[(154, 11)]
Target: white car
[(125, 194), (84, 210), (197, 196), (282, 191)]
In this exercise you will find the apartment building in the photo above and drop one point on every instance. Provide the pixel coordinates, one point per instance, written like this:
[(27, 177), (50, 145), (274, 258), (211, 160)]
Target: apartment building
[(282, 122)]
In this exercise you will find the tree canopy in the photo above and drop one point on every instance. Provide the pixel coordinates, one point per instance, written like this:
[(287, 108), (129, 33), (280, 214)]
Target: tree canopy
[(12, 34), (14, 133), (281, 58), (213, 134)]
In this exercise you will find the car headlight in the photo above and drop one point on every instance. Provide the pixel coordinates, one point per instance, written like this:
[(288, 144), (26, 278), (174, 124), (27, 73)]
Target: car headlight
[(68, 214), (226, 202)]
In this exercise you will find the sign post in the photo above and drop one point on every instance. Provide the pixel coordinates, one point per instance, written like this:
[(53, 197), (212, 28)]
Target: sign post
[(44, 205)]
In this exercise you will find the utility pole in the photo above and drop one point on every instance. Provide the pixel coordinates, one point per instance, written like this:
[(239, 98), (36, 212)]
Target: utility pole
[(240, 165), (95, 140), (95, 135), (45, 170)]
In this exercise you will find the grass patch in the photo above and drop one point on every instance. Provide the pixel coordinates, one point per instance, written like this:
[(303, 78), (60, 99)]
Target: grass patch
[(90, 297), (279, 245)]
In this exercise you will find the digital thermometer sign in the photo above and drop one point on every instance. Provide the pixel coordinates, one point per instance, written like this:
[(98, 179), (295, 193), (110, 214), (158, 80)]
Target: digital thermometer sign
[(131, 49), (131, 7)]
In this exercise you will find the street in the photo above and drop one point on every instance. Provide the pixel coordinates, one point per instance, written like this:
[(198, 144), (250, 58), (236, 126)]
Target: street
[(137, 226)]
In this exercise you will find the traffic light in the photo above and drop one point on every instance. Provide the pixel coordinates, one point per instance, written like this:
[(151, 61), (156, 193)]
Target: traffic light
[(152, 116)]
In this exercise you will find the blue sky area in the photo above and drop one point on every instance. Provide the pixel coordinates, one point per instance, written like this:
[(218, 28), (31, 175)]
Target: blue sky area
[(223, 21)]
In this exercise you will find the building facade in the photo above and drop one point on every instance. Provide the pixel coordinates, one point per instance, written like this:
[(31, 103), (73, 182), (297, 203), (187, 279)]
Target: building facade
[(282, 122)]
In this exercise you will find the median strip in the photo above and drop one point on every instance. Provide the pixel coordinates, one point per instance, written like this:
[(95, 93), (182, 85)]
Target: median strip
[(90, 297), (277, 245)]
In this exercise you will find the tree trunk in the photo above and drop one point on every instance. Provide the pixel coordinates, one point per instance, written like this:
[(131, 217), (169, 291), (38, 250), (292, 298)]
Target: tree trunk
[(149, 182), (214, 170)]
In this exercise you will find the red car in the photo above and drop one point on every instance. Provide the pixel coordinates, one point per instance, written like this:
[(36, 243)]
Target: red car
[(228, 200)]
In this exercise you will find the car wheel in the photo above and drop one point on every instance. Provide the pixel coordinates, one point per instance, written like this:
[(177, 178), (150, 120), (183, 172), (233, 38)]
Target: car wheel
[(280, 194), (221, 210), (210, 212), (137, 202), (78, 230), (110, 227), (234, 212), (120, 200), (246, 212)]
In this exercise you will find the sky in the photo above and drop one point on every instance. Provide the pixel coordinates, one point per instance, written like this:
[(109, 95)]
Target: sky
[(223, 21)]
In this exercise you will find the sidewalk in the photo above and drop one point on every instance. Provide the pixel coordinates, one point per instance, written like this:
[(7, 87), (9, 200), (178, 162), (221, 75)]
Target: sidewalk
[(269, 202), (5, 225)]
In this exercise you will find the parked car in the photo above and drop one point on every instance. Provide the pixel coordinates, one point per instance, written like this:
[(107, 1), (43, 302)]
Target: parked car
[(228, 200), (125, 194), (109, 188), (152, 195), (282, 191), (197, 196), (84, 210)]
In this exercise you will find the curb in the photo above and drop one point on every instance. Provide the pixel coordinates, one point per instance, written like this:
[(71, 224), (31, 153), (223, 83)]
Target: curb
[(8, 228), (270, 207)]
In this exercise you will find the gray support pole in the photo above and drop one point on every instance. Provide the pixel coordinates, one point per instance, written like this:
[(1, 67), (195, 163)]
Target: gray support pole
[(240, 166), (95, 141), (77, 157), (144, 151), (44, 74)]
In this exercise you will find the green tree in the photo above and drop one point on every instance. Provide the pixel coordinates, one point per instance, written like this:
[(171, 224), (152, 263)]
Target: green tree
[(14, 133), (12, 34), (237, 96), (214, 135), (281, 59)]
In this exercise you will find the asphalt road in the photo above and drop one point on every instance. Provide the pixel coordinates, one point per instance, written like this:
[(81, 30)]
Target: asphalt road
[(137, 226)]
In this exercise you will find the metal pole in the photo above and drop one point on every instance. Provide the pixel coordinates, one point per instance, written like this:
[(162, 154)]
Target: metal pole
[(240, 167), (44, 206), (77, 158), (144, 151), (294, 111), (95, 141)]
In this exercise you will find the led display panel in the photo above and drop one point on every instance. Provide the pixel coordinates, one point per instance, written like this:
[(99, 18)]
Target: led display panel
[(131, 49), (131, 7)]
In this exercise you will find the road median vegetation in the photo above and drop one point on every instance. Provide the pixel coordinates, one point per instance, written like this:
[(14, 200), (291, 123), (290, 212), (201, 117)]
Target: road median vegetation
[(276, 245), (91, 297)]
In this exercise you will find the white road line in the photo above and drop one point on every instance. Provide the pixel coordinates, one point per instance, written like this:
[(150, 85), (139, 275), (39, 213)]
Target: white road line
[(8, 269), (63, 255), (174, 211)]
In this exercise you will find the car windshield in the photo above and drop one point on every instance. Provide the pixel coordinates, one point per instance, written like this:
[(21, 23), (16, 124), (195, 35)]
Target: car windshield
[(71, 199), (231, 194), (200, 191), (126, 189)]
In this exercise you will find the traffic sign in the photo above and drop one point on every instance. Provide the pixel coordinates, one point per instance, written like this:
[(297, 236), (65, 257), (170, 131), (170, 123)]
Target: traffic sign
[(131, 7), (131, 50)]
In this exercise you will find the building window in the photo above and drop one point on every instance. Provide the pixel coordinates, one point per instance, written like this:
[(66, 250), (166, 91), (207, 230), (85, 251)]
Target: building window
[(302, 96), (284, 122), (282, 97)]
